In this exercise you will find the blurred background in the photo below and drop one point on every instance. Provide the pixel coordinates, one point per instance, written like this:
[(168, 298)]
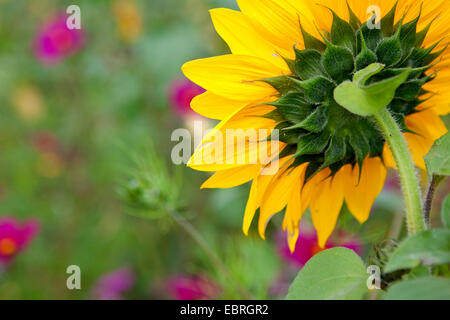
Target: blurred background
[(85, 173)]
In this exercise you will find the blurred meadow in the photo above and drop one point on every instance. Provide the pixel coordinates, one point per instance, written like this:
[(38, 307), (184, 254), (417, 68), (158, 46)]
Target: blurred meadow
[(85, 138)]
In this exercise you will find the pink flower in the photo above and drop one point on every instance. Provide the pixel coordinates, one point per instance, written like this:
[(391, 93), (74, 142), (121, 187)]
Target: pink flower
[(185, 287), (307, 246), (113, 285), (14, 237), (181, 93), (44, 141), (55, 41)]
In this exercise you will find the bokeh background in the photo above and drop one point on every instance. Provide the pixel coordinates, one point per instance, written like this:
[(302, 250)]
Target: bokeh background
[(85, 172)]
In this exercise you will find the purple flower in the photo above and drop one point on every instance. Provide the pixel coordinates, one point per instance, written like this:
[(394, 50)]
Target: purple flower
[(14, 237), (307, 246), (186, 287), (55, 41), (113, 285), (181, 93)]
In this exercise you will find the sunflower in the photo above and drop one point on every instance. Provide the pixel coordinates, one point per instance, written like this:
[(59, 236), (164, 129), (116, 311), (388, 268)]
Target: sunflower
[(288, 57)]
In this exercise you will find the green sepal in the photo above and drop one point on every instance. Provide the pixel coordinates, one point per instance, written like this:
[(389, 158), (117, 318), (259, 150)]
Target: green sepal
[(274, 115), (336, 151), (410, 90), (365, 57), (317, 89), (283, 84), (342, 33), (315, 122), (408, 35), (387, 22), (433, 56), (311, 42), (311, 170), (359, 144), (354, 21), (289, 137), (338, 62), (312, 143), (290, 63), (308, 64), (372, 37), (421, 35), (293, 107), (389, 51)]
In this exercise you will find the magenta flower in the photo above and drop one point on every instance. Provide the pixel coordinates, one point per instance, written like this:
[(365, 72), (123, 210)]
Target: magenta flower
[(14, 237), (55, 41), (181, 93), (307, 247), (113, 285), (185, 287)]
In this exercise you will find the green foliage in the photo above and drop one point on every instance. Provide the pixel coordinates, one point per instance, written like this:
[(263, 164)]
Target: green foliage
[(427, 248), (438, 158), (334, 274), (424, 288), (445, 212), (366, 100)]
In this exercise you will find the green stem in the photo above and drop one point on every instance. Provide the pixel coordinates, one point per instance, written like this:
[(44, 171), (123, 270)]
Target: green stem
[(197, 237), (406, 169)]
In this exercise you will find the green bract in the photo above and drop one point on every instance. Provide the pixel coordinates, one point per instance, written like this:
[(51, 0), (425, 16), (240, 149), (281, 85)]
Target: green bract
[(338, 82)]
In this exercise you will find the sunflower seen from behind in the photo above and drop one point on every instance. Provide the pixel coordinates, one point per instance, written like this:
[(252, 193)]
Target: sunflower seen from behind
[(288, 57)]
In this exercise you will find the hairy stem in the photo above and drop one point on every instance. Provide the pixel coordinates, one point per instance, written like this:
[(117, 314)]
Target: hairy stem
[(406, 169), (201, 242), (436, 180)]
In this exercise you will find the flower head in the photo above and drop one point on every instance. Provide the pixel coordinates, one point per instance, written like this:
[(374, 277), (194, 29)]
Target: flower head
[(181, 93), (307, 248), (129, 22), (288, 57), (14, 237), (55, 41), (113, 285), (185, 287)]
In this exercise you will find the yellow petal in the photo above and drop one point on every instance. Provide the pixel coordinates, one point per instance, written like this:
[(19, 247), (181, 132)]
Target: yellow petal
[(292, 238), (242, 38), (232, 177), (360, 193), (257, 191), (233, 76), (278, 194), (326, 203), (248, 125), (428, 127), (213, 106), (274, 23)]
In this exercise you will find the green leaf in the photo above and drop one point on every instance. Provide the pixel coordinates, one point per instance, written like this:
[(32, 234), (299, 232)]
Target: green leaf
[(445, 212), (364, 100), (334, 274), (428, 248), (425, 288), (438, 158)]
